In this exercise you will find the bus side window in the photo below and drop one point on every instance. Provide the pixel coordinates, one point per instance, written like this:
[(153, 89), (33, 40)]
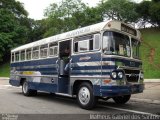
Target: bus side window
[(44, 51), (76, 47), (35, 54), (12, 57), (83, 44), (23, 55), (90, 44), (28, 54), (17, 56), (53, 49), (96, 41)]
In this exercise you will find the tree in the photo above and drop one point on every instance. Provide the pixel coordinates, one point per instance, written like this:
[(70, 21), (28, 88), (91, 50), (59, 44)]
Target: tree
[(88, 16), (155, 13), (60, 17), (143, 12), (123, 10), (37, 29), (149, 12), (13, 32)]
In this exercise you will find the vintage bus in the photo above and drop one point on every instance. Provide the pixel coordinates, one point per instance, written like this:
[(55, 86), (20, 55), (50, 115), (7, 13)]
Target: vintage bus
[(89, 63)]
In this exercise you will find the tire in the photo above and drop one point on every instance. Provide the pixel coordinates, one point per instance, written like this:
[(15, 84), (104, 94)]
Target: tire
[(85, 96), (26, 91), (121, 99)]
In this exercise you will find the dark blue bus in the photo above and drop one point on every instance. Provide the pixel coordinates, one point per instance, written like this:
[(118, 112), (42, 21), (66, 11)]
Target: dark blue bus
[(90, 63)]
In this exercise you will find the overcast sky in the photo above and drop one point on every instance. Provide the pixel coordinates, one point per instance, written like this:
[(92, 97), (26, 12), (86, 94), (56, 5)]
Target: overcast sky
[(36, 8)]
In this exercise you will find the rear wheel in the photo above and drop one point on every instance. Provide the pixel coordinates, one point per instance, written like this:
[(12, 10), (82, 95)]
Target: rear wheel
[(121, 99), (26, 91), (85, 96)]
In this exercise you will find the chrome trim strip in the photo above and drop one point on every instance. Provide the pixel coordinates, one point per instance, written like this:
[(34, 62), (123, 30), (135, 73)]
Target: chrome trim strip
[(88, 71), (123, 57), (49, 76), (87, 63), (99, 77), (130, 68), (62, 94)]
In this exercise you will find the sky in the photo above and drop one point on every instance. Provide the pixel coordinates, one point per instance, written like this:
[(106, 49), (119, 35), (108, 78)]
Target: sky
[(36, 8)]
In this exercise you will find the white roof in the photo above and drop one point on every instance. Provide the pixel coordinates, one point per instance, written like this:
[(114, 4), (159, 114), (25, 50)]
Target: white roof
[(78, 32)]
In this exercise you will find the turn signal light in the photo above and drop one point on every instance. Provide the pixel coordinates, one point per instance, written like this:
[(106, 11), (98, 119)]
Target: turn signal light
[(106, 81)]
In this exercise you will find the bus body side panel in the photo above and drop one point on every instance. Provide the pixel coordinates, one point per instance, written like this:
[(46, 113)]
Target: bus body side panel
[(40, 74), (86, 67)]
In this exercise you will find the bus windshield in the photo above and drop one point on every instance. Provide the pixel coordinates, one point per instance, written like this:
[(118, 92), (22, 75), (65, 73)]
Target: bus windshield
[(116, 44), (135, 48)]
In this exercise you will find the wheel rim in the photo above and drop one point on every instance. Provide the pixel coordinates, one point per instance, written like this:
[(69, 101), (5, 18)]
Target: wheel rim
[(25, 87), (84, 95)]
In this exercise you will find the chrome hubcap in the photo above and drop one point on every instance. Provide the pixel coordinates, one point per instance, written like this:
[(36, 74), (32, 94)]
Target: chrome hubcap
[(25, 87), (84, 95)]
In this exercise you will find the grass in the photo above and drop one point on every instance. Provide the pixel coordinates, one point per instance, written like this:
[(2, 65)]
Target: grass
[(5, 69), (150, 36)]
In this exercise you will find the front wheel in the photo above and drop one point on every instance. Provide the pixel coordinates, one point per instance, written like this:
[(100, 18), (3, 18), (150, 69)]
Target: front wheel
[(121, 99), (26, 91), (85, 96)]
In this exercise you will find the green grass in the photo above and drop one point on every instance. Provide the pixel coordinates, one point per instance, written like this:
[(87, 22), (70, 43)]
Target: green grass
[(150, 36), (5, 70)]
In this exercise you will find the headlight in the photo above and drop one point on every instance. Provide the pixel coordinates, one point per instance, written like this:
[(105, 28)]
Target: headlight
[(114, 75), (120, 75)]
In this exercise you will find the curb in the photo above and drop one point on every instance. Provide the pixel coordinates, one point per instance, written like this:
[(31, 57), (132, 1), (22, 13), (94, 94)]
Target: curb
[(4, 78), (151, 80), (146, 100)]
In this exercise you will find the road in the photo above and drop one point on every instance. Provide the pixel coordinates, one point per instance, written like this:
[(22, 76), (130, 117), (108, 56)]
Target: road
[(12, 101)]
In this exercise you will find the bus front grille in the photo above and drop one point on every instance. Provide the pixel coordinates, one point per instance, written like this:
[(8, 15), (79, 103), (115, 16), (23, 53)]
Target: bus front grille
[(132, 75)]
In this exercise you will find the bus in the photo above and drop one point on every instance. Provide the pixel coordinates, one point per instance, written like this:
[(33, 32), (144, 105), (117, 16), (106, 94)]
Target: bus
[(100, 61)]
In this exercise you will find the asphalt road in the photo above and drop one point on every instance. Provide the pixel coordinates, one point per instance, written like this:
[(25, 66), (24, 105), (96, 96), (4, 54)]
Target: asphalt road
[(14, 102)]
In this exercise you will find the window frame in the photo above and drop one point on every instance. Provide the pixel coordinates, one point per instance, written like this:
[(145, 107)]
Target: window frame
[(80, 39), (113, 42), (43, 48), (98, 34), (139, 55), (34, 51), (16, 56), (21, 55), (12, 57), (86, 43), (29, 50), (53, 46)]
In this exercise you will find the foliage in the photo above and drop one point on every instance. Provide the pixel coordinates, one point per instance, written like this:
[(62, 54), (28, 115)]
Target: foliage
[(69, 15), (13, 32), (149, 12), (155, 13), (123, 10), (143, 11), (62, 17), (5, 69)]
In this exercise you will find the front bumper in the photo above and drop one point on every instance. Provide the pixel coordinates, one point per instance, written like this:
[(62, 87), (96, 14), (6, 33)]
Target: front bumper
[(111, 91)]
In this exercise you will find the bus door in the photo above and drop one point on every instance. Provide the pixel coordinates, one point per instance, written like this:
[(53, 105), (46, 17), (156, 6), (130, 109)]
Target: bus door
[(64, 66)]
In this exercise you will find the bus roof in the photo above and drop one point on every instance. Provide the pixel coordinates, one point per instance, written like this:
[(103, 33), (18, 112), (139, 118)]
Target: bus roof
[(77, 32)]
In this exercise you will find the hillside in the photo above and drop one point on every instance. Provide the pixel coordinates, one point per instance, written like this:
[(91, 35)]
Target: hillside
[(151, 38), (5, 69)]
